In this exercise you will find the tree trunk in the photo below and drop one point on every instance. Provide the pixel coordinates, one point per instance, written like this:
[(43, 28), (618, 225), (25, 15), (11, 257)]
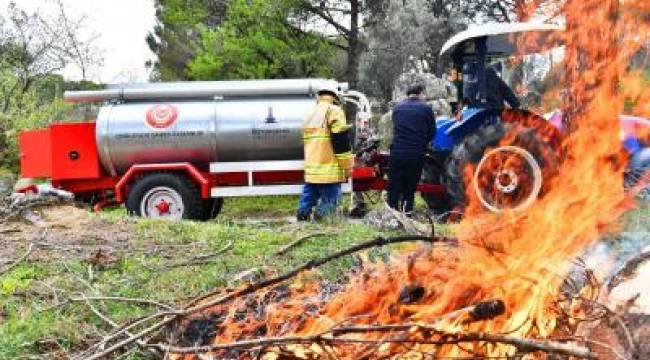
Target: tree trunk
[(354, 49)]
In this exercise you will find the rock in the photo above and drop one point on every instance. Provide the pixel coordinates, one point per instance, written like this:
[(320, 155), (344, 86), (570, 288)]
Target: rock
[(435, 87), (382, 220), (249, 276), (438, 92)]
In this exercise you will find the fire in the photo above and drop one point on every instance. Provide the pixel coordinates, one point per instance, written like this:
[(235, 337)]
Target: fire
[(521, 258)]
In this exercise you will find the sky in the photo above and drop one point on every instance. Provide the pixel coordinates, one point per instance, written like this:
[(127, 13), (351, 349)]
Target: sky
[(122, 26)]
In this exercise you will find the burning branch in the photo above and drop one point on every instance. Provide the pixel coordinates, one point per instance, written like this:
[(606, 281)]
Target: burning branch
[(524, 345), (194, 306)]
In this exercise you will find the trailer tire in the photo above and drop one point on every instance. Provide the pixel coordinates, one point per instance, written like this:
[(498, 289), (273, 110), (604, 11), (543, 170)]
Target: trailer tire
[(167, 196), (536, 164), (211, 208)]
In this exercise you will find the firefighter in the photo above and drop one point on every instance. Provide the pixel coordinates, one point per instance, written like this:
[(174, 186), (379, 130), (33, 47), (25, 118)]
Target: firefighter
[(414, 127), (328, 155)]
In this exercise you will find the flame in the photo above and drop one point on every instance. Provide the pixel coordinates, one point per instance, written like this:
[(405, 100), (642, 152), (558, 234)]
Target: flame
[(519, 257)]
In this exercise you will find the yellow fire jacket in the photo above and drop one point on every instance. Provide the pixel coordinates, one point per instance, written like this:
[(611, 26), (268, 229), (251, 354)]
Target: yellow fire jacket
[(328, 156)]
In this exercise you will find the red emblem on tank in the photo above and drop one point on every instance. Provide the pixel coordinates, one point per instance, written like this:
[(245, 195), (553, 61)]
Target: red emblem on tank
[(162, 116)]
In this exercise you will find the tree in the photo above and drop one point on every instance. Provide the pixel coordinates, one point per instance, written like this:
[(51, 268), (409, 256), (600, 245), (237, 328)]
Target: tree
[(34, 46), (260, 40), (33, 49), (80, 51), (344, 18), (345, 21), (488, 10), (404, 38), (177, 36)]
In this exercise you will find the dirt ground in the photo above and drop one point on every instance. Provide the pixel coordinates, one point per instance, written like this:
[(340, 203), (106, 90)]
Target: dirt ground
[(64, 232)]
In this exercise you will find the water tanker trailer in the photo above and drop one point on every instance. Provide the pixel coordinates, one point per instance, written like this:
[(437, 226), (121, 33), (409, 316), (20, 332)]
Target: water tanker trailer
[(175, 150)]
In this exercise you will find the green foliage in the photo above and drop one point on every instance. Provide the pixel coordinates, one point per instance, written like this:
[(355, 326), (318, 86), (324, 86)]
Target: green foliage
[(35, 108), (176, 37), (258, 40), (19, 279), (404, 38), (182, 12)]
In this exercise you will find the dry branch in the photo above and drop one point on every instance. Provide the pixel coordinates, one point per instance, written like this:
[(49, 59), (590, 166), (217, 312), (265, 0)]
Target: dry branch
[(283, 250), (171, 316), (10, 230), (525, 345), (18, 261), (113, 324), (200, 260), (122, 299), (309, 265)]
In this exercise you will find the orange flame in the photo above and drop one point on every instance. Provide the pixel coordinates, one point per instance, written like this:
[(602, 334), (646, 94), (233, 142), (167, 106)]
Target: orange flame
[(520, 257)]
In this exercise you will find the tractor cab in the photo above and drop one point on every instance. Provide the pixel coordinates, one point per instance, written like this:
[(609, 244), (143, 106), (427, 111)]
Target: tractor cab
[(473, 50), (477, 55)]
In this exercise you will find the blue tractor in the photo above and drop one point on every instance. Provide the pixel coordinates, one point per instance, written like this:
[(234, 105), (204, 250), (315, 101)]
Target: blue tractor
[(503, 153)]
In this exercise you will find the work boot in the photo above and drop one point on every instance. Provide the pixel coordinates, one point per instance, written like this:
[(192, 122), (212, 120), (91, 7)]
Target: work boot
[(303, 216), (359, 211)]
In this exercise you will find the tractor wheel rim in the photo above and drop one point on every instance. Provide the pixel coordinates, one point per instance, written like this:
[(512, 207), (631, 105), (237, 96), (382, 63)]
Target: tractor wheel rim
[(507, 178), (162, 203)]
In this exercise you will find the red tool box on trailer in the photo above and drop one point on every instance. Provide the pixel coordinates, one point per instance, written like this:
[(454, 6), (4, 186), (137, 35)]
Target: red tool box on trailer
[(62, 152)]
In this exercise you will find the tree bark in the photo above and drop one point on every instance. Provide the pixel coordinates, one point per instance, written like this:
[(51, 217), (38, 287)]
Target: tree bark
[(354, 50)]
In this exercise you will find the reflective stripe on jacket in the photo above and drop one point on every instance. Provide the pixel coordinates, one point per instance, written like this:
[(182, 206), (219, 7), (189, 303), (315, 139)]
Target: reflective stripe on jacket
[(322, 164)]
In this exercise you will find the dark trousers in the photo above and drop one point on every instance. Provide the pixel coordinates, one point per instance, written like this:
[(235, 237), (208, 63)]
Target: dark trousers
[(403, 178)]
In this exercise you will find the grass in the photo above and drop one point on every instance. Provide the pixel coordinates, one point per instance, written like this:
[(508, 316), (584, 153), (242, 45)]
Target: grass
[(36, 321)]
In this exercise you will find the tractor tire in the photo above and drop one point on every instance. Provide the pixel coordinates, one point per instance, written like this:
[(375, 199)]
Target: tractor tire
[(211, 208), (432, 172), (511, 166), (164, 195)]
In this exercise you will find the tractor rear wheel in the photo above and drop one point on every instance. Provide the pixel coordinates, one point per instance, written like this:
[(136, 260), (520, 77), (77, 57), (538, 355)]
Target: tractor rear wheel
[(432, 172), (505, 166), (165, 195)]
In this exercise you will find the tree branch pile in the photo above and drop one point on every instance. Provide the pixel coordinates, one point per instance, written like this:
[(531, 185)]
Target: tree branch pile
[(17, 205), (159, 331)]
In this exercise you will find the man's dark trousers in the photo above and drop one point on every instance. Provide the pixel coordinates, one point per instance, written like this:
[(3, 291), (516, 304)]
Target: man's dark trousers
[(403, 178)]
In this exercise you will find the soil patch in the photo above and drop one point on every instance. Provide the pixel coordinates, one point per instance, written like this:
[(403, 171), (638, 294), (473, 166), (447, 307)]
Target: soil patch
[(64, 232)]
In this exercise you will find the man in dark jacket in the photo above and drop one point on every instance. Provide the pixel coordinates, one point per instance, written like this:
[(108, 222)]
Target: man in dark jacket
[(497, 92), (414, 127)]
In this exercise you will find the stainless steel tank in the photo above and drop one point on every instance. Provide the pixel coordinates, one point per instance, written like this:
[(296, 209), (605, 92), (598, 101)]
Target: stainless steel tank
[(201, 131)]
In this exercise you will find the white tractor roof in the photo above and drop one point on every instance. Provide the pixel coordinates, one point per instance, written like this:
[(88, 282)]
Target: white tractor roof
[(502, 37)]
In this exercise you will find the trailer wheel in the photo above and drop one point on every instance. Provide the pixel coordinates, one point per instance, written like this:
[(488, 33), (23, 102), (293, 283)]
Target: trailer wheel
[(211, 208), (165, 196), (505, 176)]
